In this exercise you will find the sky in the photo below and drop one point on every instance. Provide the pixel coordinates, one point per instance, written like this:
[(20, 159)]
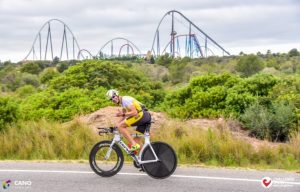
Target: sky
[(237, 25)]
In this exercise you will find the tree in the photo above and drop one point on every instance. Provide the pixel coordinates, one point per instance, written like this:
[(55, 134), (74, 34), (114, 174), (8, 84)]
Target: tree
[(259, 54), (293, 53), (249, 65), (152, 61), (31, 67), (62, 66), (164, 60), (55, 60)]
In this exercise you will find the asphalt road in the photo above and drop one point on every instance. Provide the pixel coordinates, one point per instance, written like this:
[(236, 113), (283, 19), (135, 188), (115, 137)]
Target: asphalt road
[(65, 177)]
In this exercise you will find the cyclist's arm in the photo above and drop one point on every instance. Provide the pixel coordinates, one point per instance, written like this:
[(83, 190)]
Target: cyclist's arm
[(131, 111), (120, 113)]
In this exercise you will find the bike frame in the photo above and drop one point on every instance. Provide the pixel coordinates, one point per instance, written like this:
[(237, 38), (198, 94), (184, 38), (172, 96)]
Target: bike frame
[(117, 140)]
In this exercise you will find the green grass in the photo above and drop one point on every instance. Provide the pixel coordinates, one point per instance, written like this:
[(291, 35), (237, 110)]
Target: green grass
[(44, 140), (219, 148)]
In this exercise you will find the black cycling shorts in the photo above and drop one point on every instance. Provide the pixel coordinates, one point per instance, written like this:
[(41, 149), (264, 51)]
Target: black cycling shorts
[(141, 124)]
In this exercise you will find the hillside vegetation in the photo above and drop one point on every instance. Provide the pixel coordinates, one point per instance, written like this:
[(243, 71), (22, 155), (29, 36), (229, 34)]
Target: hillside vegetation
[(261, 91)]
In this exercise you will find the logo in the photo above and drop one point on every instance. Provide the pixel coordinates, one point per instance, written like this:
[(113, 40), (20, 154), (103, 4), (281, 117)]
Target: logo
[(6, 184), (266, 182), (22, 183)]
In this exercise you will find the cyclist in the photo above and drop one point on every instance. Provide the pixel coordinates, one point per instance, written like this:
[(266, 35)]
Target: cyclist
[(133, 113)]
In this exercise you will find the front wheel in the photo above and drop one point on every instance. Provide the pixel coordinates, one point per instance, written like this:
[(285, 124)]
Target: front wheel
[(167, 160), (106, 161)]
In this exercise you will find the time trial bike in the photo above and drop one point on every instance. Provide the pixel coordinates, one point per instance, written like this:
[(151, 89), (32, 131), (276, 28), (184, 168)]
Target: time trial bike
[(157, 159)]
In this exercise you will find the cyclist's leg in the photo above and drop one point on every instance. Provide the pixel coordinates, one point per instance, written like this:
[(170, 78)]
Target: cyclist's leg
[(122, 126), (141, 125), (138, 140)]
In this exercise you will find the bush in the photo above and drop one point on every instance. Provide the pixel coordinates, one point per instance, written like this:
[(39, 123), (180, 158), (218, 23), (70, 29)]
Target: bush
[(283, 122), (9, 110), (29, 79), (48, 74), (260, 84), (12, 80), (164, 60), (94, 74), (257, 119), (218, 95), (32, 68), (180, 70), (249, 65), (51, 104), (25, 91), (62, 66), (210, 96), (275, 123), (293, 52)]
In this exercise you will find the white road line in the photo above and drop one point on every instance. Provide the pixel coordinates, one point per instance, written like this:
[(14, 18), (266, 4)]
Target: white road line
[(42, 171), (141, 174)]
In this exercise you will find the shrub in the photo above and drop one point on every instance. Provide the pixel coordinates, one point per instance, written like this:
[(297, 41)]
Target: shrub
[(257, 119), (93, 74), (12, 80), (218, 95), (48, 74), (180, 70), (62, 66), (275, 123), (32, 68), (260, 84), (164, 60), (293, 52), (25, 91), (51, 104), (283, 122), (249, 65), (29, 79), (9, 110)]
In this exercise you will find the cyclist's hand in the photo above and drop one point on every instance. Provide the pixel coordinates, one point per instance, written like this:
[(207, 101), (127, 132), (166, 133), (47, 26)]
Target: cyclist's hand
[(120, 113)]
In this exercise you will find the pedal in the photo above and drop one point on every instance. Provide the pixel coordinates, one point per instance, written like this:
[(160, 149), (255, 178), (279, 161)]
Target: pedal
[(136, 165)]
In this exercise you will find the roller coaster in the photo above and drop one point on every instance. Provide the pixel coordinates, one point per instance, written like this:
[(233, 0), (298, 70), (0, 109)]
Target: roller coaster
[(40, 49), (191, 41), (114, 47), (175, 35)]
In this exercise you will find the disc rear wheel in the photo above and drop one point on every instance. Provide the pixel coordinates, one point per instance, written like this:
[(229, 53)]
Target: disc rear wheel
[(167, 160)]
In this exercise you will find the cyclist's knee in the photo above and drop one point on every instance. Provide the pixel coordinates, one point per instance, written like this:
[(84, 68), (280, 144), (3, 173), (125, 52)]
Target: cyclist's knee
[(138, 140), (121, 126)]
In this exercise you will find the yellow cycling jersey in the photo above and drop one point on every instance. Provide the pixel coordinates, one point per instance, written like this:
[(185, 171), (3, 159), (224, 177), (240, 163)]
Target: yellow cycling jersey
[(127, 101)]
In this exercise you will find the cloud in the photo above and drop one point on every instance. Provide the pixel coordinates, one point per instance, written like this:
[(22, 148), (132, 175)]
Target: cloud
[(236, 24)]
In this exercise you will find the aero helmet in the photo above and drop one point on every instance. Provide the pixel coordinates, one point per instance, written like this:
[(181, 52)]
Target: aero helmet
[(111, 93)]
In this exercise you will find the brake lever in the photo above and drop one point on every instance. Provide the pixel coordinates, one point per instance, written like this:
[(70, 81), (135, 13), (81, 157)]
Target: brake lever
[(102, 130)]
